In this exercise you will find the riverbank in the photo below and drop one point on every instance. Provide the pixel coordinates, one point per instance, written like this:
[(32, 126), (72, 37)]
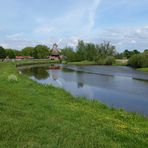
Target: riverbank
[(121, 62), (38, 61), (143, 69), (82, 63), (118, 62), (34, 115)]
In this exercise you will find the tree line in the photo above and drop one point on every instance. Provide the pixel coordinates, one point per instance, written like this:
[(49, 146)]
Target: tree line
[(38, 52), (103, 54), (100, 53)]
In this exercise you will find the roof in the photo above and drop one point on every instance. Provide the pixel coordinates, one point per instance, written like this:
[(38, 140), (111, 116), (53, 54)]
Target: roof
[(24, 57)]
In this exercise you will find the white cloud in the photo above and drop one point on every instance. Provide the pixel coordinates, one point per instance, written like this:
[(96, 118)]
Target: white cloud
[(133, 41), (4, 45), (92, 14), (16, 36), (44, 29)]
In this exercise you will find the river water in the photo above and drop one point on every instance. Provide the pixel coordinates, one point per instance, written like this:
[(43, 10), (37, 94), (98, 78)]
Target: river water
[(115, 86)]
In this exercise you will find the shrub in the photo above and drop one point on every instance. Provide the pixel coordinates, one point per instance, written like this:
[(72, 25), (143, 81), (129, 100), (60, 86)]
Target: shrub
[(139, 60), (109, 60)]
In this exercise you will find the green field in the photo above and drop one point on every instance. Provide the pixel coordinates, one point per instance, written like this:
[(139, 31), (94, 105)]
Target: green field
[(118, 62), (143, 69), (34, 115), (121, 62), (83, 63)]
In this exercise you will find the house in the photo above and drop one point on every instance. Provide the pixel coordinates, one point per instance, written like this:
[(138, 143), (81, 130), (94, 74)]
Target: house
[(23, 57)]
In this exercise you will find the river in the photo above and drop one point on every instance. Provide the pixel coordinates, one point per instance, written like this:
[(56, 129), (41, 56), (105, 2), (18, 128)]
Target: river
[(115, 86)]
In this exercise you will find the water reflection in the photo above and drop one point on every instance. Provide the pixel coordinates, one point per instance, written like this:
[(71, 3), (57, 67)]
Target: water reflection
[(113, 86), (39, 73), (80, 84)]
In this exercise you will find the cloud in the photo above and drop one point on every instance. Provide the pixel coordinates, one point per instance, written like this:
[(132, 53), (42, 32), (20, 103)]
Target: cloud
[(89, 20), (4, 45), (92, 14), (44, 29), (16, 36), (133, 41)]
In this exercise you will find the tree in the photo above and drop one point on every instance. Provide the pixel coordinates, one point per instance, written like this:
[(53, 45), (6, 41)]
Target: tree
[(135, 51), (69, 54), (146, 50), (27, 51), (107, 49), (40, 52), (80, 53), (126, 53), (139, 60), (90, 52), (129, 54), (10, 53), (2, 53), (17, 53)]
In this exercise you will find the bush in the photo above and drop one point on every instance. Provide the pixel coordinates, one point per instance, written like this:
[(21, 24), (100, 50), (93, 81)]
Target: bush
[(109, 60), (139, 60)]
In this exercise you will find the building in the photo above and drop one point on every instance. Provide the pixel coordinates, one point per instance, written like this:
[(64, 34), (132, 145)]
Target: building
[(23, 57), (55, 53)]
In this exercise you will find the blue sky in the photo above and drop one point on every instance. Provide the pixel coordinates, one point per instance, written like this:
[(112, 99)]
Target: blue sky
[(31, 22)]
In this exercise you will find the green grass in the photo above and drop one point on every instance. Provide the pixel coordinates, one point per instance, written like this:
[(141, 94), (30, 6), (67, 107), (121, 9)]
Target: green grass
[(117, 63), (121, 62), (83, 63), (34, 115), (143, 69), (31, 62)]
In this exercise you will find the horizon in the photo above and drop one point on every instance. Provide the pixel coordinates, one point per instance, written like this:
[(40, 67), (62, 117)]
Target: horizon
[(32, 22)]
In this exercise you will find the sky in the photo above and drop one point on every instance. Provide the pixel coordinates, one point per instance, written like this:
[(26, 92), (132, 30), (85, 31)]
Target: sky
[(30, 22)]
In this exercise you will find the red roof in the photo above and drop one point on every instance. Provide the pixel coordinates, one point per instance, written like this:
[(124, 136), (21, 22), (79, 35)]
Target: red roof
[(19, 57), (24, 57)]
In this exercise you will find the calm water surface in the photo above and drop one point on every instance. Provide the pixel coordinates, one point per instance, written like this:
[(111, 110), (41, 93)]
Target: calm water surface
[(120, 87)]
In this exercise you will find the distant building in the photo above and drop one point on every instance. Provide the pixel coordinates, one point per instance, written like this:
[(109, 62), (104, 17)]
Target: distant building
[(55, 53), (23, 57)]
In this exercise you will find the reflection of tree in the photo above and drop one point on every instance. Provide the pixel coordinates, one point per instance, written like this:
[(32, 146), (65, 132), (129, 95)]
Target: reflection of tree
[(80, 84), (67, 70), (27, 71), (38, 72)]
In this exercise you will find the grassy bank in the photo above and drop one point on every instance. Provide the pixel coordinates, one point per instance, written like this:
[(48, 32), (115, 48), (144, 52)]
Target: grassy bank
[(121, 62), (34, 115), (143, 69), (82, 63), (31, 62), (118, 62)]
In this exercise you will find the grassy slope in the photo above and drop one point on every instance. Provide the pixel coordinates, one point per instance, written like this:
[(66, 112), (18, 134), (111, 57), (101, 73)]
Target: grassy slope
[(143, 69), (33, 115), (83, 63), (121, 62), (117, 63), (43, 61)]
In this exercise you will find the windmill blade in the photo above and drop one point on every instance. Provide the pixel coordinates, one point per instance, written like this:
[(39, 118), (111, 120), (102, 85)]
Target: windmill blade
[(60, 40)]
